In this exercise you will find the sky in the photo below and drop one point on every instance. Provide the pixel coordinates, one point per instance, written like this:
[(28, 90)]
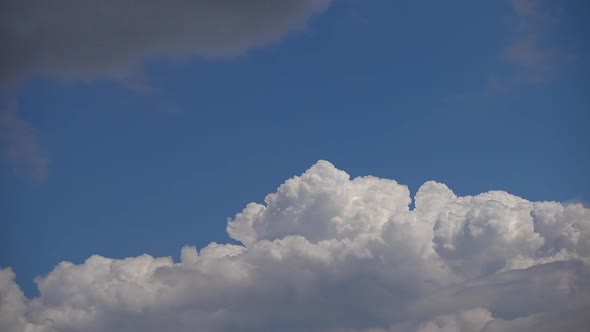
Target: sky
[(134, 138)]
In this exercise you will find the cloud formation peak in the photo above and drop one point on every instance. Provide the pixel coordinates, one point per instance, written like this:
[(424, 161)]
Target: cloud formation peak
[(330, 253)]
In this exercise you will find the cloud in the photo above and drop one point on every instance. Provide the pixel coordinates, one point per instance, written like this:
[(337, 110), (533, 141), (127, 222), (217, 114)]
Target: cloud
[(19, 145), (526, 53), (86, 40), (326, 253), (12, 303), (525, 8), (534, 52)]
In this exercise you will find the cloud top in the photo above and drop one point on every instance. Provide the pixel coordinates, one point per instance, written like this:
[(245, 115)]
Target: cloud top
[(330, 253)]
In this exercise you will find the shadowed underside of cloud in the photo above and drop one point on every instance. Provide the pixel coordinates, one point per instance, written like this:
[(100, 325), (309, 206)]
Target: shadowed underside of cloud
[(110, 39), (330, 253)]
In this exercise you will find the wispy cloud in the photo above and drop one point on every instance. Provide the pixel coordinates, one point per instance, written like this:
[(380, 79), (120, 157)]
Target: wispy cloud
[(525, 7), (533, 53), (18, 140), (526, 53)]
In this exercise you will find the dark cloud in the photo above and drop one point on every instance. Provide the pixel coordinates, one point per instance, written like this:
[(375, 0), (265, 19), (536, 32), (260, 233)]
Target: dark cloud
[(110, 39)]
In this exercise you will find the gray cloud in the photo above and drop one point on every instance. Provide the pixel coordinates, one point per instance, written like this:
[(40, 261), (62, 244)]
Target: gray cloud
[(87, 40), (327, 253), (110, 39)]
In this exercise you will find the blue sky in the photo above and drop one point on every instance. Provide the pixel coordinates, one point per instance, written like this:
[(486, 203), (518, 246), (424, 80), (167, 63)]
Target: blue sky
[(477, 95)]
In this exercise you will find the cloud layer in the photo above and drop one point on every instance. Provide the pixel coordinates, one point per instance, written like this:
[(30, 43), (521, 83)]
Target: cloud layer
[(110, 39), (327, 253)]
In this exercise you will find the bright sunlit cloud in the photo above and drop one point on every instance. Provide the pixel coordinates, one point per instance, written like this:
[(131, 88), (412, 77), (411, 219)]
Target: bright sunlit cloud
[(330, 253)]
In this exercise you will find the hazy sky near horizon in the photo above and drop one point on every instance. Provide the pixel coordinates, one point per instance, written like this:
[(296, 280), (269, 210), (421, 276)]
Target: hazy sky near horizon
[(137, 128)]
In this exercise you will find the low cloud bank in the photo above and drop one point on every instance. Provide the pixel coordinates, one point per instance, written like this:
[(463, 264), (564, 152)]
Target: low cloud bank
[(327, 253)]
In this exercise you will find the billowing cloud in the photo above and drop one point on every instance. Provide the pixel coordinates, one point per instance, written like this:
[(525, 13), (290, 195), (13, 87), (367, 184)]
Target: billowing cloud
[(327, 253), (110, 39)]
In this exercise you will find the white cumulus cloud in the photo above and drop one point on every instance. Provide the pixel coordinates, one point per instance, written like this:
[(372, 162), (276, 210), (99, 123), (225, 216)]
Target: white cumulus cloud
[(326, 253)]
